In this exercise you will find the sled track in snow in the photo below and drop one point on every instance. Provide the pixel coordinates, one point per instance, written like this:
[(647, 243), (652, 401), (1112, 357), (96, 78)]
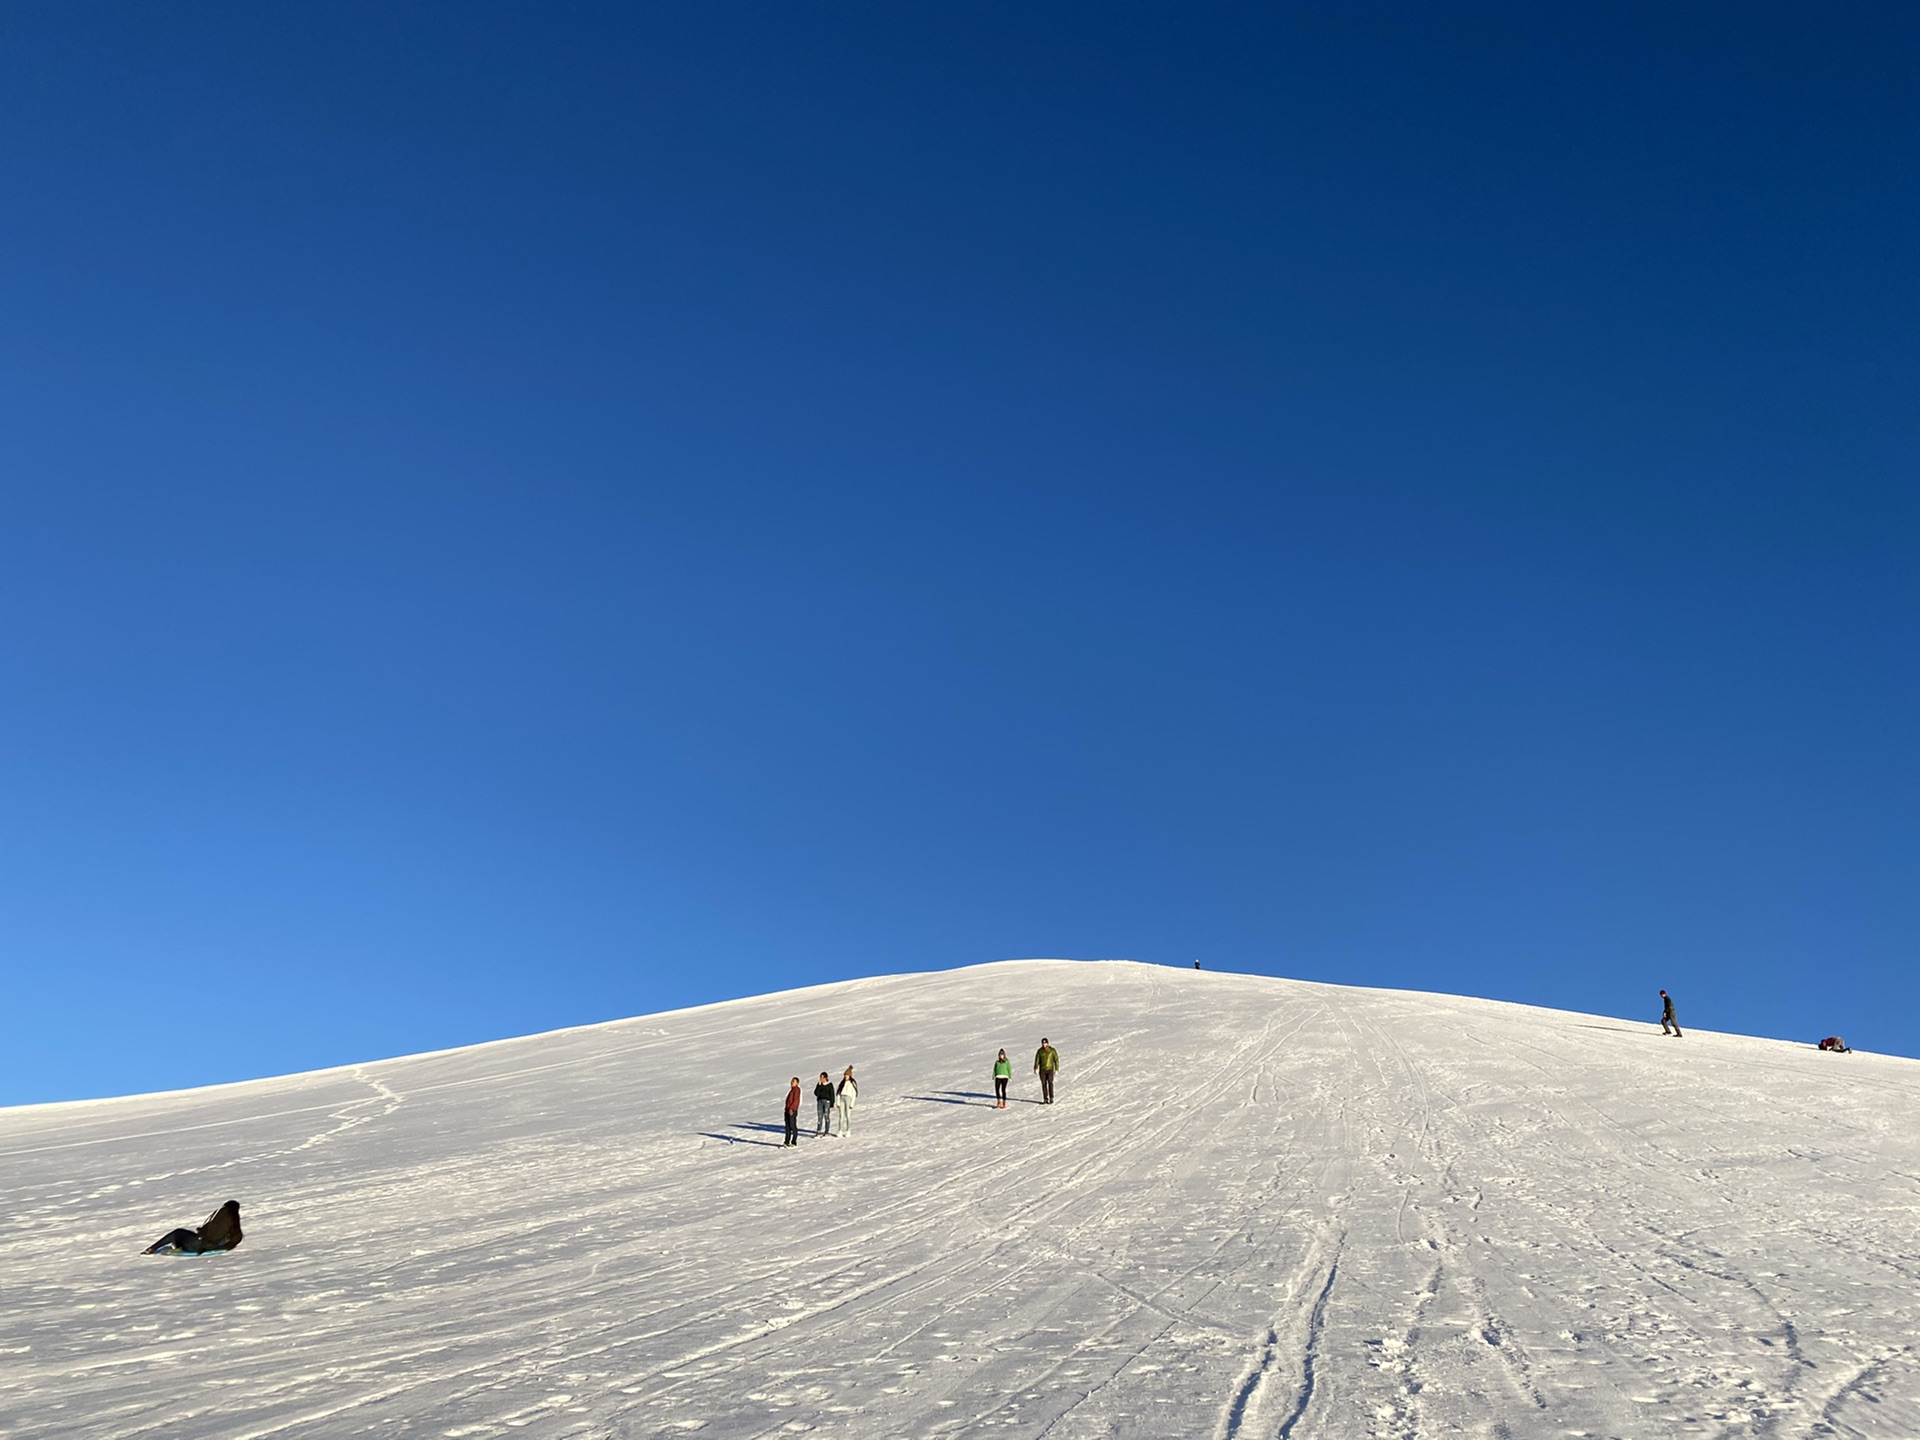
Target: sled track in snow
[(1316, 1327)]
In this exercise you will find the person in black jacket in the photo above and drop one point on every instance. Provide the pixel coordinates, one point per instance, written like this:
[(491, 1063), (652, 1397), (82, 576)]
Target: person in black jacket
[(823, 1096), (221, 1232), (1669, 1024)]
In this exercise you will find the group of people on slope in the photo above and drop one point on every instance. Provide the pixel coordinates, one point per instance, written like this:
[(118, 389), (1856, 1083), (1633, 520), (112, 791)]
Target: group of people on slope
[(831, 1100), (828, 1098), (1046, 1064)]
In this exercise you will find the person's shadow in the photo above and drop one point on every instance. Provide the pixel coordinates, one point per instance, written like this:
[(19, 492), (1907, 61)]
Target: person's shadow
[(967, 1097), (747, 1139)]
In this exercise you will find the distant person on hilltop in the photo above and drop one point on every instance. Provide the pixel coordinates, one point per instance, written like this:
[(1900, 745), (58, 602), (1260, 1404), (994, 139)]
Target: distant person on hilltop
[(1002, 1073), (849, 1092), (793, 1114), (823, 1098), (1835, 1044), (1669, 1024), (1046, 1064), (221, 1232)]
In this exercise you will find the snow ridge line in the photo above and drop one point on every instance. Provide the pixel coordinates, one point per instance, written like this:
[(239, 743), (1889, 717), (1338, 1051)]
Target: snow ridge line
[(348, 1115), (1316, 1327)]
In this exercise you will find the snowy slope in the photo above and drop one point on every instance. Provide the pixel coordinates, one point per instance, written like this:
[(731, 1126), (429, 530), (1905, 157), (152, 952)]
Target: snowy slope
[(1262, 1208)]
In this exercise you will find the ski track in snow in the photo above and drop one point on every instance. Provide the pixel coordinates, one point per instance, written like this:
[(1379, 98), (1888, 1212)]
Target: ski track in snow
[(1262, 1208)]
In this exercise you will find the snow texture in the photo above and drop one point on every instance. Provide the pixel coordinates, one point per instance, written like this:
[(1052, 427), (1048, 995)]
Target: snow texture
[(1261, 1208)]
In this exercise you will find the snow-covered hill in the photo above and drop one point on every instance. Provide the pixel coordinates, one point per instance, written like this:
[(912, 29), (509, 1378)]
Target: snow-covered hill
[(1261, 1208)]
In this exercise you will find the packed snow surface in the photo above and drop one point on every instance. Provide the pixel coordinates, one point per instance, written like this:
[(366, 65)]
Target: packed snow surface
[(1260, 1208)]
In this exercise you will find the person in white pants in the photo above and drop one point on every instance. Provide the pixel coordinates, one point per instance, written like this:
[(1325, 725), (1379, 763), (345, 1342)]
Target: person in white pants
[(849, 1092)]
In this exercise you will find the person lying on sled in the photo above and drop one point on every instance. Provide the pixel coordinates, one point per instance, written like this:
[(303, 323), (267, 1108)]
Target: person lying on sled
[(221, 1232)]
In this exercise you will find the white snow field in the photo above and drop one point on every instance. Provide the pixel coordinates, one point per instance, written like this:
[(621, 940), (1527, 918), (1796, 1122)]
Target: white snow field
[(1260, 1208)]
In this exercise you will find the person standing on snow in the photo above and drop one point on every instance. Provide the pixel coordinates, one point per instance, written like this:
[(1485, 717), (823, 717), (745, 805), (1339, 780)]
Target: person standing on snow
[(1002, 1073), (793, 1114), (1668, 1024), (849, 1093), (823, 1098), (1046, 1064)]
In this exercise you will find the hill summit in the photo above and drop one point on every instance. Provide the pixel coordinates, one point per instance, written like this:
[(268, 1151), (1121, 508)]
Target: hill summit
[(1260, 1208)]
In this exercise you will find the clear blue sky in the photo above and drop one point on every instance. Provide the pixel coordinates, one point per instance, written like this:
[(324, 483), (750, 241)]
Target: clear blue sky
[(516, 515)]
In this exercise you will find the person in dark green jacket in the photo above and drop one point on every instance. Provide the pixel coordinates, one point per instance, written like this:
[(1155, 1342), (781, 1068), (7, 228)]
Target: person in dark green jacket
[(1046, 1063), (1002, 1073), (1669, 1022)]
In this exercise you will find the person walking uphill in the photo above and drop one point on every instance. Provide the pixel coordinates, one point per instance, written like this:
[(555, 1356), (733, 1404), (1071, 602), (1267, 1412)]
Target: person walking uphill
[(849, 1093), (1046, 1064), (1002, 1073), (823, 1098), (1669, 1024), (793, 1114)]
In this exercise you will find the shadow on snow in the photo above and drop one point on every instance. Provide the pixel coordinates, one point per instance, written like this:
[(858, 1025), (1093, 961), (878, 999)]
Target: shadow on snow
[(747, 1139), (967, 1097)]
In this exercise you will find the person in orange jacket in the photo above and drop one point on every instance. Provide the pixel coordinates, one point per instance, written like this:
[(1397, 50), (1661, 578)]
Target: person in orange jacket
[(793, 1114)]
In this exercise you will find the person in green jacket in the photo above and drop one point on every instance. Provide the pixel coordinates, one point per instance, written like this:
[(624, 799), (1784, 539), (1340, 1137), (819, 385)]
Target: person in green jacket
[(1046, 1062), (1002, 1073)]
